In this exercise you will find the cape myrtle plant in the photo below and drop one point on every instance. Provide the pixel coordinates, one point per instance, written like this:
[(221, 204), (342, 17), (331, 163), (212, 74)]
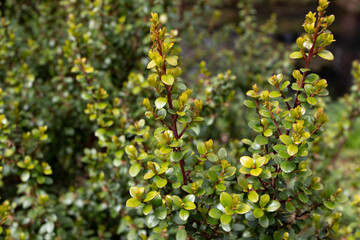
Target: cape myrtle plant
[(271, 193)]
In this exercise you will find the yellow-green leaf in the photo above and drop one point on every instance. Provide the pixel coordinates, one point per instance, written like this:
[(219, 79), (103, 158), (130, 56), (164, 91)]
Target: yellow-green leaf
[(167, 79), (247, 161), (150, 196), (160, 102), (172, 60), (225, 219), (133, 202), (256, 172), (253, 196), (327, 55), (296, 55), (292, 150), (151, 64)]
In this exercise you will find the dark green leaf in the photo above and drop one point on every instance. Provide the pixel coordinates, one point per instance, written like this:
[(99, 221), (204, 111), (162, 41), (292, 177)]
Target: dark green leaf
[(152, 221), (287, 166)]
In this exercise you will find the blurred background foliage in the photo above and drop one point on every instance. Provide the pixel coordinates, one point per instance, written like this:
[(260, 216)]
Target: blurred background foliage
[(62, 139)]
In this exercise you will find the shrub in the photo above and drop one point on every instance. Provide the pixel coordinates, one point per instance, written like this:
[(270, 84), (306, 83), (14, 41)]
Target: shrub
[(199, 194)]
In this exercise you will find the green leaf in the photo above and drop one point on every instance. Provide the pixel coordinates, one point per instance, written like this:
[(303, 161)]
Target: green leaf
[(260, 161), (290, 207), (341, 198), (284, 85), (225, 219), (286, 139), (49, 227), (243, 183), (147, 209), (222, 153), (226, 228), (176, 156), (25, 176), (212, 175), (89, 69), (189, 198), (167, 79), (329, 190), (317, 186), (149, 175), (292, 150), (184, 214), (330, 205), (275, 94), (253, 196), (268, 132), (134, 191), (165, 149), (201, 148), (161, 182), (264, 199), (273, 206), (189, 206), (250, 104), (150, 196), (303, 197), (220, 187), (212, 157), (258, 213), (161, 213), (229, 210), (215, 213), (296, 55), (247, 161), (279, 148), (256, 172), (133, 202), (230, 171), (265, 113), (243, 208), (311, 100), (151, 64), (325, 54), (287, 166), (160, 102), (152, 221), (172, 60), (181, 234), (311, 78), (264, 221), (261, 140), (177, 201), (134, 169), (226, 199)]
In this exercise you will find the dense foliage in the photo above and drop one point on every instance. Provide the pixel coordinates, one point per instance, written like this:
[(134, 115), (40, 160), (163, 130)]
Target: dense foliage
[(73, 93)]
